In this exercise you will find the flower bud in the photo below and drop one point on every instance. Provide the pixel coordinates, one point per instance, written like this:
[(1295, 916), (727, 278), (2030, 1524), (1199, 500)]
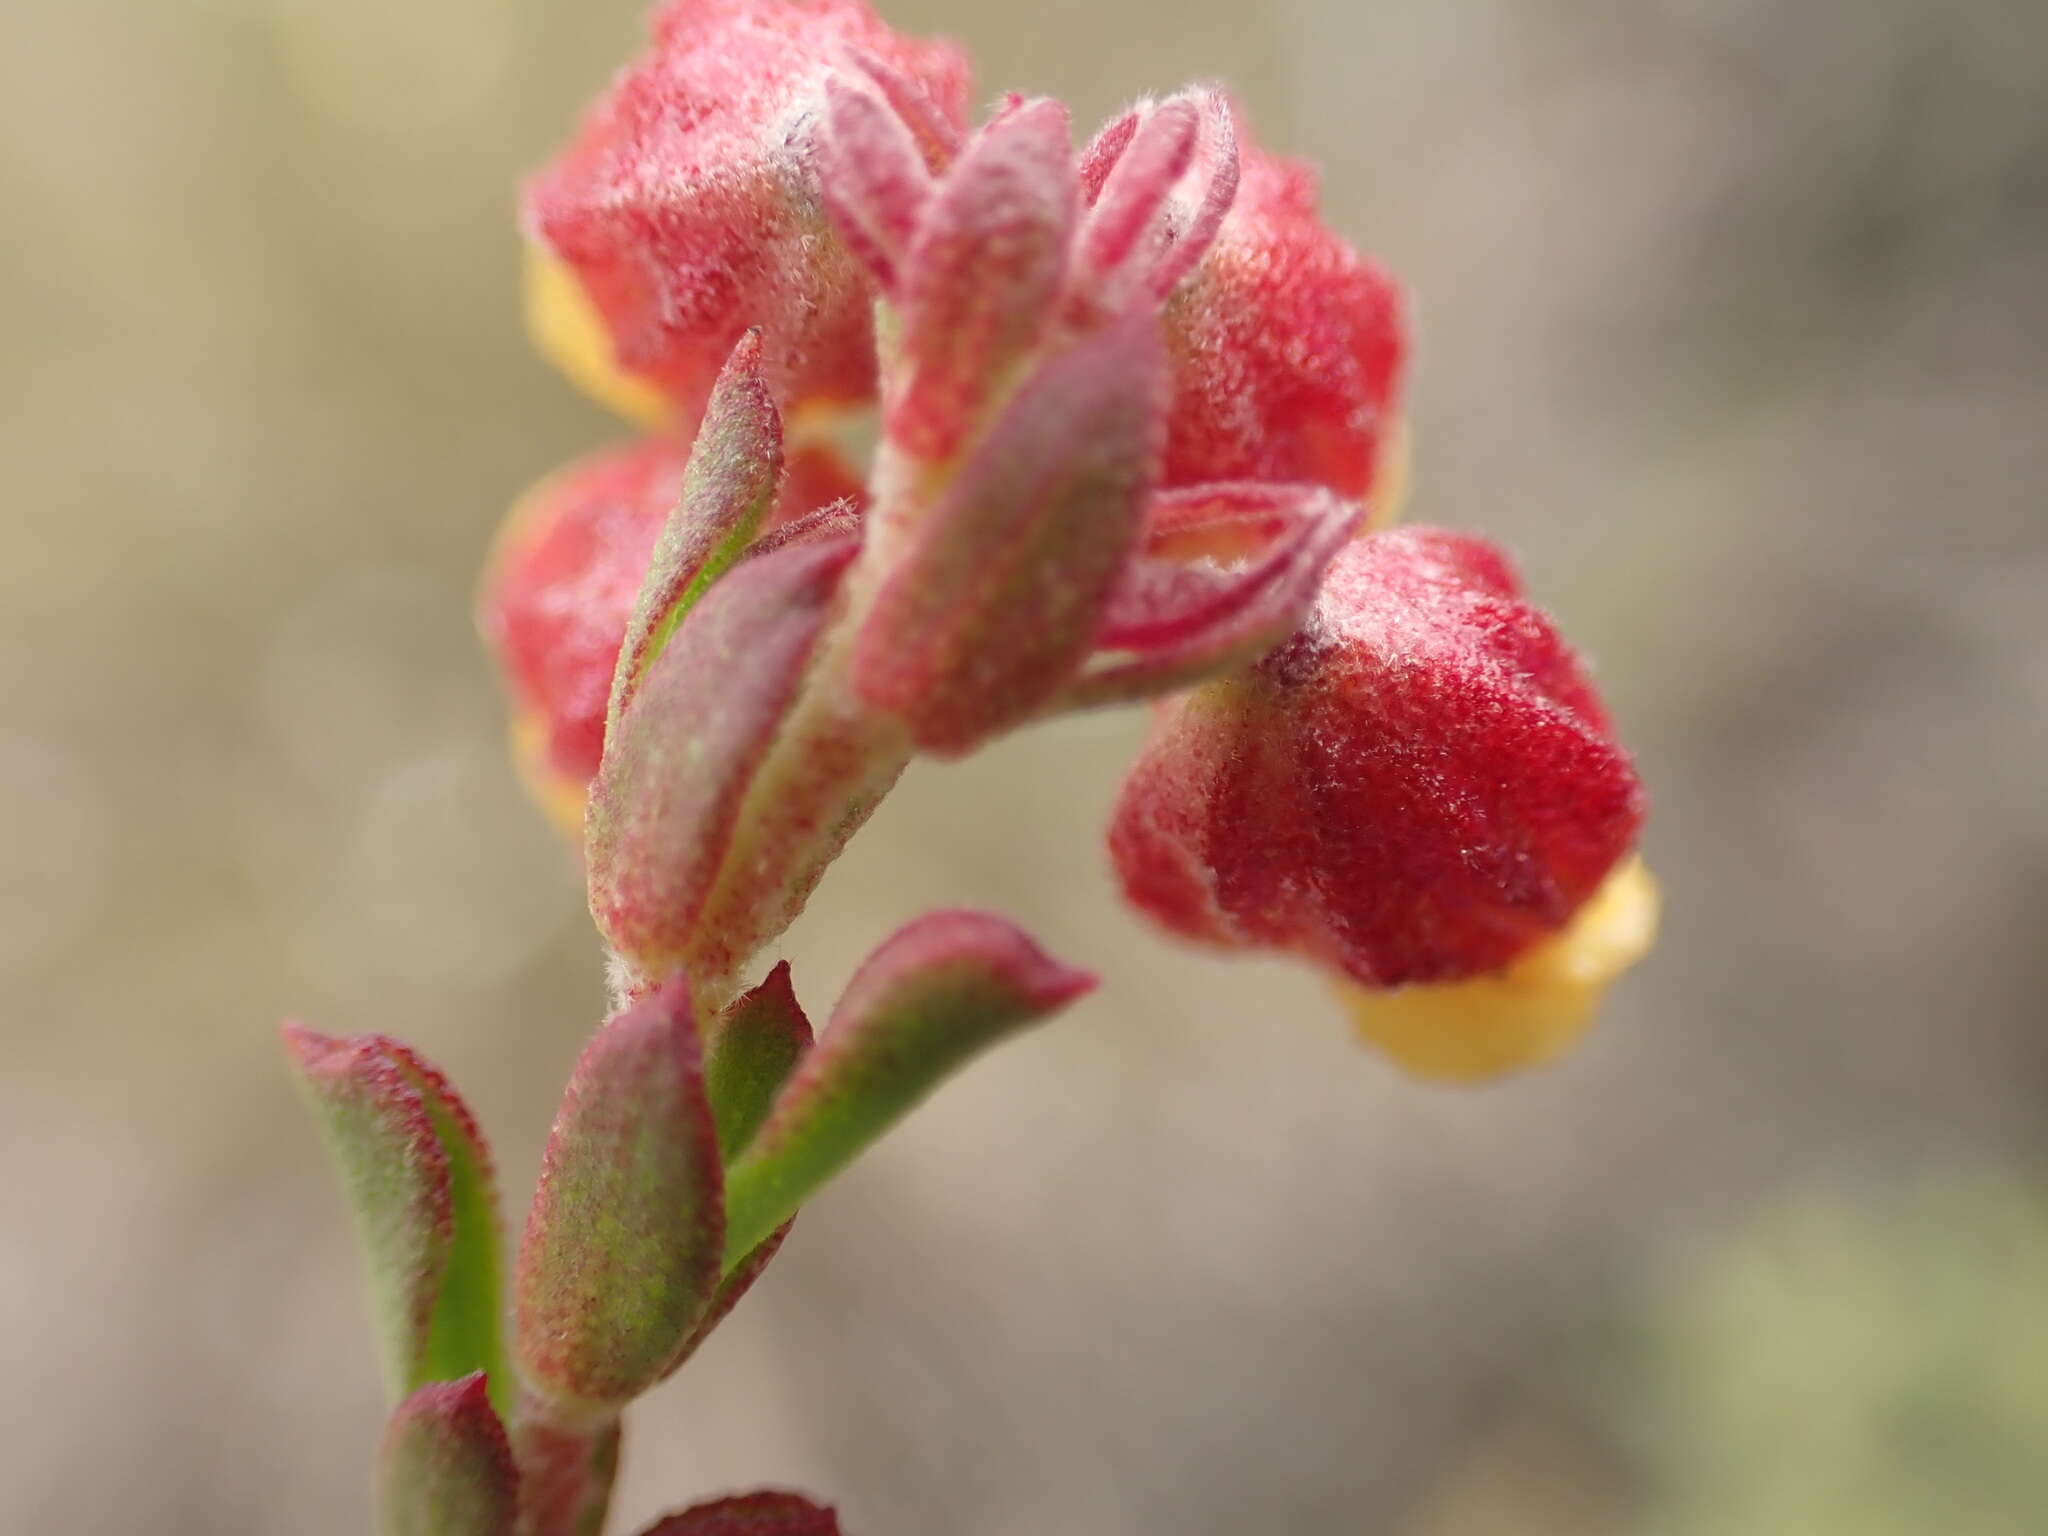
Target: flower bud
[(1286, 344), (686, 209), (445, 1467), (1419, 786)]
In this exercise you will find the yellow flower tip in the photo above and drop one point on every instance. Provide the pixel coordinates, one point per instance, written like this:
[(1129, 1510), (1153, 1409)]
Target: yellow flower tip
[(560, 796), (568, 331), (1390, 478), (1526, 1015)]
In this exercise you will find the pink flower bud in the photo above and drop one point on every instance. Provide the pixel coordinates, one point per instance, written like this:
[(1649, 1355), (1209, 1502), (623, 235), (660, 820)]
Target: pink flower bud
[(751, 1514), (445, 1466), (1287, 345), (1418, 786), (686, 209)]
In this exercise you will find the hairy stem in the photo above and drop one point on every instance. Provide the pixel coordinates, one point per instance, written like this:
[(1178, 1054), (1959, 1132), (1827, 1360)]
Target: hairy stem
[(566, 1466)]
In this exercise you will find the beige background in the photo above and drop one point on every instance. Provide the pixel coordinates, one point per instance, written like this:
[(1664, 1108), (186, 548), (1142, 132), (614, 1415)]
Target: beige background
[(1732, 323)]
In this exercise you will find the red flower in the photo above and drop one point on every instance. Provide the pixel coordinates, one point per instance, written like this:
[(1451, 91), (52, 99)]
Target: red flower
[(1286, 344), (1417, 787), (686, 209)]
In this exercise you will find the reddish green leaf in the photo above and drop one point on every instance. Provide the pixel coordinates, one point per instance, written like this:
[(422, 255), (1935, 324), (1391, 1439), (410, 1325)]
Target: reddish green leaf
[(621, 1253), (979, 281), (676, 770), (748, 1054), (996, 599), (445, 1467), (943, 988), (751, 1514), (418, 1175), (734, 473)]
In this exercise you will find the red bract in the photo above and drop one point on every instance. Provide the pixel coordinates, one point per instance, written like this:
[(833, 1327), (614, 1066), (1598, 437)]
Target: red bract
[(1287, 345), (1416, 787), (562, 584), (687, 206)]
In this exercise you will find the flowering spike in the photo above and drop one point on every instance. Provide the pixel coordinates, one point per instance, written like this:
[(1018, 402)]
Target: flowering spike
[(1418, 787), (418, 1174), (748, 1053), (665, 803), (445, 1467), (998, 595), (751, 1514), (1138, 185), (941, 989), (980, 279), (875, 180), (686, 208), (734, 472), (1227, 573), (621, 1253)]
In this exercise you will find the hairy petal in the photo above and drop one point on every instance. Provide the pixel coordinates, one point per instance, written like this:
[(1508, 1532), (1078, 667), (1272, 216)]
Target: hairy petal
[(1418, 787)]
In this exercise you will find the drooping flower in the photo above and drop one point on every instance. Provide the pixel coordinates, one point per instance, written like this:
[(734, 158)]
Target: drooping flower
[(1419, 787), (1287, 349), (686, 210)]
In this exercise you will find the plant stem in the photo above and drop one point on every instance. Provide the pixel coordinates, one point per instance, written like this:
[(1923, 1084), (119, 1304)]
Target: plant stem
[(566, 1466)]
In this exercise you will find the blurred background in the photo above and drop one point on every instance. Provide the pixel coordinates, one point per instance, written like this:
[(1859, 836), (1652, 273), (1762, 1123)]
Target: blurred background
[(1732, 323)]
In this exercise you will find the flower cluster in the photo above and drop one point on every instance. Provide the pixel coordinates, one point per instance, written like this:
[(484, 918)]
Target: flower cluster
[(1137, 437), (949, 430)]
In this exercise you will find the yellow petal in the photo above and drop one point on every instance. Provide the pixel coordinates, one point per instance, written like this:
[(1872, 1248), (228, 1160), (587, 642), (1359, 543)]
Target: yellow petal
[(568, 331), (1527, 1014)]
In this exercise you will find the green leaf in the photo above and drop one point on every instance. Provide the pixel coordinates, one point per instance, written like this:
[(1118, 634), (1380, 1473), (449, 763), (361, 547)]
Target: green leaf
[(940, 990), (418, 1175)]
